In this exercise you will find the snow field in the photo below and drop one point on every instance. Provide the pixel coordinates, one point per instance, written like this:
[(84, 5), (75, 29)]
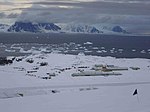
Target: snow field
[(64, 93)]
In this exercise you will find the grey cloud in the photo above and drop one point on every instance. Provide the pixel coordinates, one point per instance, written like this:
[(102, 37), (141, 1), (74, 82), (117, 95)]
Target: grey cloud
[(2, 15), (130, 1), (105, 7), (141, 29), (9, 16), (97, 7), (6, 3), (13, 15), (86, 12), (125, 19), (132, 14)]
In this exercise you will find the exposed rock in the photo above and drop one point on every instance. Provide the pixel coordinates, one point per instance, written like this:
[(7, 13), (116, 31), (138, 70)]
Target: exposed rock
[(5, 61), (33, 27)]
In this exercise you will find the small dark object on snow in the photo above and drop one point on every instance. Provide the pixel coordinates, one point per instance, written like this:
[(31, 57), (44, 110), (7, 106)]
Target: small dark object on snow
[(20, 94), (31, 71), (46, 77), (54, 91), (135, 92), (19, 59), (30, 60), (43, 64), (135, 68), (4, 61)]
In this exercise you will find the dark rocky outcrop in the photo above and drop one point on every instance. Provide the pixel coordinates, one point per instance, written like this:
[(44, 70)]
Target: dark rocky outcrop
[(33, 27), (118, 29), (5, 61)]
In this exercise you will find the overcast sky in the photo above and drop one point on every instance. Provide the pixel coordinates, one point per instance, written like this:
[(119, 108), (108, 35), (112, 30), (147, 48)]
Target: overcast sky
[(133, 14)]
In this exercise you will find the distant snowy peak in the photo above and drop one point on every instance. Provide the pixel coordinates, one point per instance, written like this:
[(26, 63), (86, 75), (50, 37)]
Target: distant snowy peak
[(33, 27), (112, 29), (3, 27), (49, 26), (118, 29), (80, 29), (24, 27)]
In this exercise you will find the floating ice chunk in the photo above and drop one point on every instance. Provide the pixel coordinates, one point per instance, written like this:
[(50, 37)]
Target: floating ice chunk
[(13, 47), (95, 48), (73, 50), (87, 51), (102, 47), (104, 51), (81, 47), (43, 49), (81, 54), (2, 45), (111, 51), (143, 51), (78, 45), (120, 50), (65, 51), (88, 43), (23, 51), (7, 50), (99, 51)]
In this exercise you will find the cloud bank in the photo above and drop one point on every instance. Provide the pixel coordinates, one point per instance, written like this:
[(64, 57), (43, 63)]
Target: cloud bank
[(132, 14)]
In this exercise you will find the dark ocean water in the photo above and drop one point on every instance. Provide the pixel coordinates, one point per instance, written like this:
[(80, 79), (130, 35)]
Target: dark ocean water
[(89, 44)]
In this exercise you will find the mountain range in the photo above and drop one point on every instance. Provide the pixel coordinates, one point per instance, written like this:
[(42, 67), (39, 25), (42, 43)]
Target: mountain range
[(33, 27), (51, 27), (80, 28)]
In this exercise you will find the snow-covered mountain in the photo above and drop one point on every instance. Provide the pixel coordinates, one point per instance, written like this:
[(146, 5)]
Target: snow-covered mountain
[(33, 27), (65, 28), (96, 29), (118, 29), (78, 28), (111, 29), (3, 27)]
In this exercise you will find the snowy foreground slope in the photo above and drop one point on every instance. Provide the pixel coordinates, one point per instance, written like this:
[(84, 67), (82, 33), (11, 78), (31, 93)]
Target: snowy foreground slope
[(24, 89)]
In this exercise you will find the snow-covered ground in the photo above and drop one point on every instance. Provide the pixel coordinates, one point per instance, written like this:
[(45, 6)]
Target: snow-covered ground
[(23, 87)]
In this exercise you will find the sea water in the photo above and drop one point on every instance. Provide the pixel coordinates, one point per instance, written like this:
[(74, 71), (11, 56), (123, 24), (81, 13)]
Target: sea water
[(120, 46)]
